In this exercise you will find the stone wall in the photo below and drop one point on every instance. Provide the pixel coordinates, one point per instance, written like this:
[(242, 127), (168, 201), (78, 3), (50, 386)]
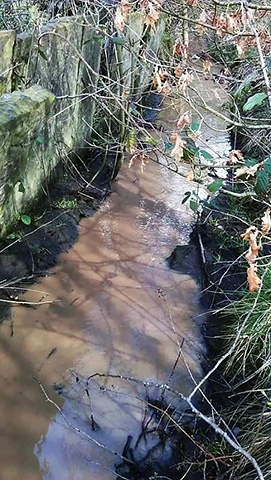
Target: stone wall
[(47, 101)]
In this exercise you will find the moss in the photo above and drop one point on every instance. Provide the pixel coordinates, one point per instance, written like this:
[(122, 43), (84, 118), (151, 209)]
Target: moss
[(22, 115), (7, 42)]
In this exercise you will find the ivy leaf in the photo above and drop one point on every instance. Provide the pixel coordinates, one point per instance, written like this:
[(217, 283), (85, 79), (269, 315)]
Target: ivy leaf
[(21, 187), (244, 85), (194, 205), (186, 197), (168, 146), (206, 155), (262, 181), (195, 127), (254, 101), (267, 166), (250, 162), (216, 185), (26, 219)]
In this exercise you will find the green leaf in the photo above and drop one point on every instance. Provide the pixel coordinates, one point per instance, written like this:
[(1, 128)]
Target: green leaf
[(262, 182), (26, 219), (194, 205), (250, 162), (186, 197), (42, 54), (244, 85), (193, 148), (267, 166), (131, 141), (151, 141), (168, 146), (98, 38), (21, 187), (40, 139), (216, 185), (118, 40), (13, 235), (195, 126), (254, 101), (134, 111), (206, 155)]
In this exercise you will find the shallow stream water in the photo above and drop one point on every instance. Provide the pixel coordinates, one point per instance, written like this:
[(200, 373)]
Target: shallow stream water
[(117, 309)]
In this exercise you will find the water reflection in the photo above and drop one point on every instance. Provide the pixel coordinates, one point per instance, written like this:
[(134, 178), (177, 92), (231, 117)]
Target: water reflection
[(109, 318)]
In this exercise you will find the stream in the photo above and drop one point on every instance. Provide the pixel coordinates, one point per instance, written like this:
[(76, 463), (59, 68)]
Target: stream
[(117, 309)]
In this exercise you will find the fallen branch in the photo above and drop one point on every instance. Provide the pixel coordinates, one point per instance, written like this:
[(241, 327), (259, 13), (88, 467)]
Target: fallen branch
[(195, 410)]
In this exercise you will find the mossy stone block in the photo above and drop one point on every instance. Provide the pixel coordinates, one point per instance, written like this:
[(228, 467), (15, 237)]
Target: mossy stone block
[(7, 42), (23, 120)]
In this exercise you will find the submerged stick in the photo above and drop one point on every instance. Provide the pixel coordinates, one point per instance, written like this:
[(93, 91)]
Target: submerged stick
[(195, 410), (76, 429)]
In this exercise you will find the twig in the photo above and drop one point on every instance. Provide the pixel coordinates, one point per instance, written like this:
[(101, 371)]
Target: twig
[(19, 302), (33, 231), (197, 412), (260, 52), (76, 429)]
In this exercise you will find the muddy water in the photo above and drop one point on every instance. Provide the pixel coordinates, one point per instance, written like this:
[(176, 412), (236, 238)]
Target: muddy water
[(117, 309)]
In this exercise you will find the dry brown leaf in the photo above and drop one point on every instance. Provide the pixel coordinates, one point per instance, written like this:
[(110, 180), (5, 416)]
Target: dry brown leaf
[(236, 156), (203, 18), (159, 75), (162, 74), (254, 248), (184, 81), (242, 45), (122, 13), (247, 171), (141, 158), (253, 242), (177, 152), (185, 119), (251, 257), (266, 222), (254, 282), (166, 88), (230, 22), (152, 14), (249, 230), (178, 71), (119, 19), (190, 176), (206, 64), (157, 81)]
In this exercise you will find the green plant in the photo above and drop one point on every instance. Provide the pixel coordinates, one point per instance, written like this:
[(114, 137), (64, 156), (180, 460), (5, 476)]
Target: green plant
[(26, 219), (22, 15), (13, 236), (67, 203), (250, 317)]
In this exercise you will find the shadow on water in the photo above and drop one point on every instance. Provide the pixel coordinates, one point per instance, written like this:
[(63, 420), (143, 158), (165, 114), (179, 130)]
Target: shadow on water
[(109, 318), (119, 310)]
